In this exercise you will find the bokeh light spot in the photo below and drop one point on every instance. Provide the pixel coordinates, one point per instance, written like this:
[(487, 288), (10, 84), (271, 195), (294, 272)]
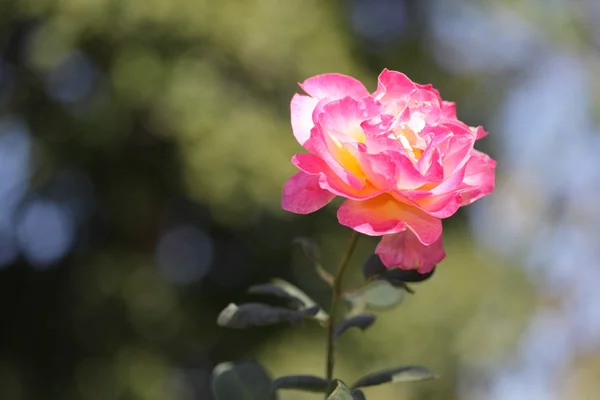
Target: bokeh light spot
[(184, 254), (45, 232), (72, 79)]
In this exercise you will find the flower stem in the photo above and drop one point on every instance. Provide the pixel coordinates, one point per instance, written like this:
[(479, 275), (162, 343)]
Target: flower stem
[(335, 297)]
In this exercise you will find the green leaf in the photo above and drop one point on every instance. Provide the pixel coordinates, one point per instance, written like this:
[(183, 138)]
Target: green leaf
[(241, 381), (411, 373), (309, 248), (361, 321), (292, 290), (308, 383), (381, 295), (377, 295), (276, 291), (339, 391), (414, 373), (257, 314)]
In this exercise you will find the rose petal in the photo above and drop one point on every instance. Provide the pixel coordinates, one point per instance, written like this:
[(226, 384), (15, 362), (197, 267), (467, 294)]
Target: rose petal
[(342, 118), (301, 109), (337, 156), (426, 102), (430, 166), (384, 215), (378, 125), (393, 85), (450, 184), (404, 250), (303, 195), (311, 164), (457, 149), (329, 181), (479, 132), (441, 206), (449, 109), (390, 170), (479, 177), (334, 86)]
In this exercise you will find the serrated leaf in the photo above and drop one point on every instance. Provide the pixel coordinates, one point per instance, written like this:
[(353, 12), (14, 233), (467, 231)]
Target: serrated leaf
[(338, 390), (309, 248), (241, 381), (276, 291), (292, 290), (361, 321), (308, 383), (257, 314), (411, 373)]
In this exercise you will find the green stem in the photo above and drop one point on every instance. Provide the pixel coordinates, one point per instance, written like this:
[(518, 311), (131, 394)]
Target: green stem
[(335, 297)]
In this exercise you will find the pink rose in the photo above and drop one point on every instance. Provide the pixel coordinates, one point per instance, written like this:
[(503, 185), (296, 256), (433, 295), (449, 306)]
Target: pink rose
[(399, 156)]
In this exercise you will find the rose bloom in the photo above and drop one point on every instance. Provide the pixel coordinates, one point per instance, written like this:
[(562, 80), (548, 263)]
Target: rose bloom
[(399, 156)]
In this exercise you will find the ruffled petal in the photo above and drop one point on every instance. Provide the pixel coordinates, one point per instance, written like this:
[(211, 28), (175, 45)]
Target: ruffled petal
[(449, 109), (391, 170), (384, 215), (404, 250), (301, 109), (479, 132), (337, 156), (479, 177), (393, 85), (329, 181), (303, 195), (334, 86)]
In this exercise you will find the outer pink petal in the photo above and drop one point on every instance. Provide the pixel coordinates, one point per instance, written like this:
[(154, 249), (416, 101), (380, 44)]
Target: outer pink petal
[(384, 215), (301, 108), (404, 250), (303, 195), (479, 132), (334, 86), (311, 164), (393, 85), (479, 177), (429, 87), (449, 109)]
